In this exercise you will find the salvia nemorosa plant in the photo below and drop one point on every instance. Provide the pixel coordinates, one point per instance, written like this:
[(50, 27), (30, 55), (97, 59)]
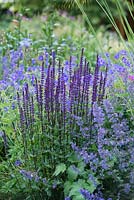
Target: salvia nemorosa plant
[(50, 117)]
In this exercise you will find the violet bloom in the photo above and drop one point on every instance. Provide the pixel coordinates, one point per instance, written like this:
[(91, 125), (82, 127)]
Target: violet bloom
[(54, 185), (26, 42), (26, 174), (127, 188), (30, 175), (1, 134), (41, 58), (17, 163), (126, 62), (44, 180), (88, 196), (132, 177), (67, 198), (101, 61), (33, 61), (120, 53)]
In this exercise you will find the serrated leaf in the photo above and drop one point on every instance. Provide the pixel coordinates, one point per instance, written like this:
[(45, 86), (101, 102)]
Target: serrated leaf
[(91, 186), (72, 173), (73, 158), (76, 186), (67, 187), (60, 169), (75, 189), (112, 162), (81, 166), (78, 197)]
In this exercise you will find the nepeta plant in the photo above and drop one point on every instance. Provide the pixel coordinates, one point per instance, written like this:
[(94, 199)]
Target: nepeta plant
[(110, 151)]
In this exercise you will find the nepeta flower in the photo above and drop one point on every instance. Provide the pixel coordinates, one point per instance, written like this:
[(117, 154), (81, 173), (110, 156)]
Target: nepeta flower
[(1, 134), (88, 196), (101, 61), (120, 53), (98, 114), (67, 198), (17, 163), (41, 58), (26, 42), (30, 175), (127, 188), (27, 174), (131, 177), (44, 180)]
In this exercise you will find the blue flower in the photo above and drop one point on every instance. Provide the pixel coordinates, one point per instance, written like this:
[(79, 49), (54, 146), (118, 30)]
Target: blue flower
[(127, 188), (1, 134), (132, 177), (120, 53), (88, 196), (101, 61), (26, 42), (26, 174), (44, 180), (17, 163), (67, 198), (40, 58), (33, 61)]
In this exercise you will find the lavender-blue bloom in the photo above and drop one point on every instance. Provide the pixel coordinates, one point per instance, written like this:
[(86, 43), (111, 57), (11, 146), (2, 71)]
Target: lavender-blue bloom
[(67, 198), (88, 196), (98, 114), (1, 134), (44, 180), (132, 177), (119, 68), (120, 53), (17, 163), (27, 174), (41, 58), (101, 61), (126, 62), (93, 180), (26, 42), (127, 188)]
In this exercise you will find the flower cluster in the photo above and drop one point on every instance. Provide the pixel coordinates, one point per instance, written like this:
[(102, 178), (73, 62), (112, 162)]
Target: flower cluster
[(63, 108), (110, 150), (61, 98), (88, 196)]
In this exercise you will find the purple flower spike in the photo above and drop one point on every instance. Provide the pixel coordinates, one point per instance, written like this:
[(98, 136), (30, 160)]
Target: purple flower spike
[(95, 83)]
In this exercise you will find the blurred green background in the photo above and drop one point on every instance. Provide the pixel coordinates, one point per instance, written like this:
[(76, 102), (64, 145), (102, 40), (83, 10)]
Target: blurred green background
[(94, 12)]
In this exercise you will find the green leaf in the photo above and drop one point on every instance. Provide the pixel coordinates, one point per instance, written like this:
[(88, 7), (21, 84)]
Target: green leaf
[(78, 197), (67, 187), (112, 162), (73, 158), (91, 186), (75, 189), (72, 173), (81, 166), (60, 169), (76, 186)]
